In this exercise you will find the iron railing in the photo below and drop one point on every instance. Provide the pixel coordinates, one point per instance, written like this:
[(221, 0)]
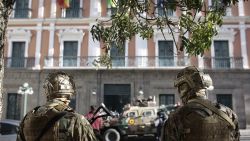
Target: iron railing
[(223, 62), (118, 61), (126, 62), (227, 12), (19, 62), (73, 13), (161, 11), (22, 13), (111, 11)]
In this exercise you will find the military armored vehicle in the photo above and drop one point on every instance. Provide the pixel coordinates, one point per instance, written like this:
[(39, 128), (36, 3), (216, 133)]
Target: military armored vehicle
[(133, 121)]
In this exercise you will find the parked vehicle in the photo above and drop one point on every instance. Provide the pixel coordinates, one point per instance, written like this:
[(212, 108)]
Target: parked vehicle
[(134, 121), (8, 130)]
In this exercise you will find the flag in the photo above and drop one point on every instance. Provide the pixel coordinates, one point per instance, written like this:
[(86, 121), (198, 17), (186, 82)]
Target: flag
[(112, 3), (64, 3)]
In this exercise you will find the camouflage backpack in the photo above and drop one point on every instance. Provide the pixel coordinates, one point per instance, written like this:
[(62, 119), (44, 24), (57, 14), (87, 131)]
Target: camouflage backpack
[(200, 120), (41, 124)]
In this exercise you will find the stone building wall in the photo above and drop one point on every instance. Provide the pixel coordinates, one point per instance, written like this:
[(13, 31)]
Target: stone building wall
[(151, 81)]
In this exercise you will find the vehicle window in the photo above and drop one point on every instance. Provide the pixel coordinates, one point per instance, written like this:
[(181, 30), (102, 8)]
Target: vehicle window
[(147, 113), (131, 114), (7, 129)]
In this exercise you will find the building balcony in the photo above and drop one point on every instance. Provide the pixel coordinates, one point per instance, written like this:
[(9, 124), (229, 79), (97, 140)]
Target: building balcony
[(118, 62), (19, 62), (161, 12), (111, 11), (228, 11), (23, 13), (72, 13), (223, 63)]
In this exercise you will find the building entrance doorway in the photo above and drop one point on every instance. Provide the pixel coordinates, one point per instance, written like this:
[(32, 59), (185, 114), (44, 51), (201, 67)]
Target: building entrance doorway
[(116, 96)]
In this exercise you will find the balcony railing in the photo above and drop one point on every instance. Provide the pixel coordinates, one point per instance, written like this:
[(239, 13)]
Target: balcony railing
[(223, 62), (22, 13), (111, 11), (161, 12), (19, 62), (72, 13), (228, 11), (118, 61), (126, 62)]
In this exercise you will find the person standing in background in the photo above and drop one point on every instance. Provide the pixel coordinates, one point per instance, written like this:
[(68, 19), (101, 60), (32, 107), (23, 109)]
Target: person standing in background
[(97, 124)]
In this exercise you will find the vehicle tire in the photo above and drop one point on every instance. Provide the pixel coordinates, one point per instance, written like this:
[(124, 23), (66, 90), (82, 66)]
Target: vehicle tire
[(111, 135), (124, 138)]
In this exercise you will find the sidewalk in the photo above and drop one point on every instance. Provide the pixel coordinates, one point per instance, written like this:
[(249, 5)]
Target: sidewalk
[(245, 134)]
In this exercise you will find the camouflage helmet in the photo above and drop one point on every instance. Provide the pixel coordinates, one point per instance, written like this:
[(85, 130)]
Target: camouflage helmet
[(59, 85), (194, 78)]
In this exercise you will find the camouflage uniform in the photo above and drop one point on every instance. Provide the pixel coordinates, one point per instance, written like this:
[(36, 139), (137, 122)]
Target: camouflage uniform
[(194, 122), (199, 119), (56, 120)]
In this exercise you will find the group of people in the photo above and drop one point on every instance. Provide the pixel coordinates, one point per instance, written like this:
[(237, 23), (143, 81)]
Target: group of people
[(197, 120)]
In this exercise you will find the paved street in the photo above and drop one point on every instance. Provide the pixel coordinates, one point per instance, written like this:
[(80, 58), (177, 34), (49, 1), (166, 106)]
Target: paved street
[(141, 139), (245, 136)]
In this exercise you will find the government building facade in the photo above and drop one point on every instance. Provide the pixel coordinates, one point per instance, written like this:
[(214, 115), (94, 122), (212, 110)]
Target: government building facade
[(42, 38)]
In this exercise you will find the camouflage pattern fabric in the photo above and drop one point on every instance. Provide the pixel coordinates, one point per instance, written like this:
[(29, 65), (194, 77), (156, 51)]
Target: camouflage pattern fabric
[(70, 127), (194, 122)]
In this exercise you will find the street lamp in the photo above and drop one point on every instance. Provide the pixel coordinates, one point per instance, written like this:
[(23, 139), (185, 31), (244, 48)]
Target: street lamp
[(140, 91), (25, 89), (93, 92)]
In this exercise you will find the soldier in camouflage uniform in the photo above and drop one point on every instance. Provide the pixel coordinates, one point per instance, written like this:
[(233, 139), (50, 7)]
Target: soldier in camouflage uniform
[(199, 119), (56, 121)]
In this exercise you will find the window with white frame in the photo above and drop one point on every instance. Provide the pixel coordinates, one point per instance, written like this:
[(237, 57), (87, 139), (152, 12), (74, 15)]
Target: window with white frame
[(72, 39), (74, 11), (165, 36), (117, 55), (222, 49), (166, 99), (17, 57), (225, 99), (22, 9), (166, 53), (70, 53), (221, 52), (18, 43)]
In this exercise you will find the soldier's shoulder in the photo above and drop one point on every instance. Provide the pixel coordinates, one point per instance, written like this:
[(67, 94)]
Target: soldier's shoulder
[(76, 115), (79, 117), (34, 111), (178, 112), (227, 110), (184, 110)]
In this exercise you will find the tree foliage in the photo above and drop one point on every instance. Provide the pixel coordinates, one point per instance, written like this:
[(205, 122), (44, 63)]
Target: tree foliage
[(195, 26), (6, 7)]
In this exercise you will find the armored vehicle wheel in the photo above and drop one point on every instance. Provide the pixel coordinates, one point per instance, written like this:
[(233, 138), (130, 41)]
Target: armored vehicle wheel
[(112, 135)]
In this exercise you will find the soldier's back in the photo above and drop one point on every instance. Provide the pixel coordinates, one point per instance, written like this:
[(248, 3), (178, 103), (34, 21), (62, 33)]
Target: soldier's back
[(195, 122), (52, 123)]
